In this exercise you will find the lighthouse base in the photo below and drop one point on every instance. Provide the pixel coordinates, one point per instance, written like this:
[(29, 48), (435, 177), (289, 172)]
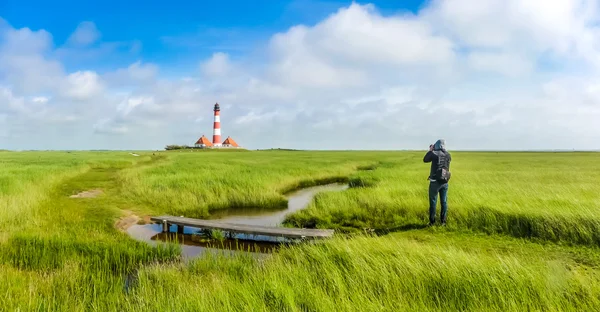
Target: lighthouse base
[(222, 146)]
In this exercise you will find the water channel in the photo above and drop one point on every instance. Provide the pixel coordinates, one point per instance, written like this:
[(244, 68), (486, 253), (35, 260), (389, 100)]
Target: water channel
[(193, 243)]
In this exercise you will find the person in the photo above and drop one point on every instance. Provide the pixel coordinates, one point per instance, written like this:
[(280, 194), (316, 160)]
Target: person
[(439, 158)]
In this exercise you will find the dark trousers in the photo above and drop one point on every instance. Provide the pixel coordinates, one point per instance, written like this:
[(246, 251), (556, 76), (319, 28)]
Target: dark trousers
[(434, 189)]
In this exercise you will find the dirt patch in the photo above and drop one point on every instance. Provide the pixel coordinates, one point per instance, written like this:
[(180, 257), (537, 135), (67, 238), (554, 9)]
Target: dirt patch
[(125, 222), (88, 194), (130, 219), (145, 220)]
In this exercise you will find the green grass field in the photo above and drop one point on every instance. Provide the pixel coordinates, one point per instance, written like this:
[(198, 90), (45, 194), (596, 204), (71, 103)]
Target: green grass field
[(523, 232)]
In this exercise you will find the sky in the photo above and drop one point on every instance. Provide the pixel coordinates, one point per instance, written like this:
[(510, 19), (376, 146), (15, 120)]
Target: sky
[(302, 74)]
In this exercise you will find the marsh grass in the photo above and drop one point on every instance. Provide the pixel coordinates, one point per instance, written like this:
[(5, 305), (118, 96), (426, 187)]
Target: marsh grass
[(550, 196), (367, 274), (64, 254), (31, 252), (28, 178), (62, 247), (417, 271), (215, 234), (193, 184)]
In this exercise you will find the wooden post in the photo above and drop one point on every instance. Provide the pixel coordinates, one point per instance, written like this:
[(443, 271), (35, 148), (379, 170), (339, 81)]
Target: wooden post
[(180, 229), (165, 226)]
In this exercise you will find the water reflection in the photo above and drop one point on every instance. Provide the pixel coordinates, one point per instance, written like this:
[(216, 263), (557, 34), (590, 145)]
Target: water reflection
[(256, 216), (194, 242)]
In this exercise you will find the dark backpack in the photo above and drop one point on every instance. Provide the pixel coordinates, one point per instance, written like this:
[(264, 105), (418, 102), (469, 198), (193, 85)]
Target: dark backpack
[(442, 175)]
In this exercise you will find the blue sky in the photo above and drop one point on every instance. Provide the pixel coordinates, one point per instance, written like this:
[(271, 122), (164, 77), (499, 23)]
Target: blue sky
[(513, 74), (175, 32)]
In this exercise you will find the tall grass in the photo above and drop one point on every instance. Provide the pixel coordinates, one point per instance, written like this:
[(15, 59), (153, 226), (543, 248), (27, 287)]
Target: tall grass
[(549, 196), (63, 254), (62, 248), (27, 177), (33, 252), (193, 184), (362, 274)]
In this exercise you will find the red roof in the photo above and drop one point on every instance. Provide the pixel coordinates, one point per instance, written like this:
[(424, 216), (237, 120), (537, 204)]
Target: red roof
[(230, 141), (204, 140)]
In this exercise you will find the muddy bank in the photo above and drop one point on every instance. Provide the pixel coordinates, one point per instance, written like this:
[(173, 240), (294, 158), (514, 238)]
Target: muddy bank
[(88, 194), (130, 219)]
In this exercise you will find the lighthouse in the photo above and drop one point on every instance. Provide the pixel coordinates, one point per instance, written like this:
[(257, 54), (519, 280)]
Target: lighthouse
[(203, 141), (217, 126)]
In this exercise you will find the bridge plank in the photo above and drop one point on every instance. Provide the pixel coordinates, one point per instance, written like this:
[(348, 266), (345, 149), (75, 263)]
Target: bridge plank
[(246, 229)]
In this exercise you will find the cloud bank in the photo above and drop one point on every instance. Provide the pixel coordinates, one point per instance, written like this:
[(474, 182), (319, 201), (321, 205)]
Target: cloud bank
[(489, 74)]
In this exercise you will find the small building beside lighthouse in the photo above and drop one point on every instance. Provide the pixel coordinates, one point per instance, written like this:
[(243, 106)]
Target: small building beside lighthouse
[(203, 142), (229, 142)]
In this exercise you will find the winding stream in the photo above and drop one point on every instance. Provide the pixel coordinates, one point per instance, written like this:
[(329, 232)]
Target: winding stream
[(193, 244)]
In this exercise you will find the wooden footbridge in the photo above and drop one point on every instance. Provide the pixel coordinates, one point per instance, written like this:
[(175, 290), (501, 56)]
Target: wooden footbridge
[(167, 221)]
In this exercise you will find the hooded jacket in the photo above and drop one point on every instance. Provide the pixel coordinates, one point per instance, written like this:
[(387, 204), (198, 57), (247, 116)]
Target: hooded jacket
[(439, 150)]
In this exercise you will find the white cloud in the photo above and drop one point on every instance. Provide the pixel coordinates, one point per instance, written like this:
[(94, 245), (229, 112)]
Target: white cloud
[(217, 65), (295, 63), (139, 72), (83, 85), (23, 62), (361, 34), (135, 74), (109, 126), (84, 45), (128, 105), (503, 63), (531, 28), (85, 34), (40, 99), (493, 74)]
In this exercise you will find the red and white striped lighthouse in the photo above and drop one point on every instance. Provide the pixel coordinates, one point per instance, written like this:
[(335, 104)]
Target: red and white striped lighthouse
[(217, 127)]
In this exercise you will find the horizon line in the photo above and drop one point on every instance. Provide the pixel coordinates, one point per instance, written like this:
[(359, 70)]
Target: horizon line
[(316, 150)]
